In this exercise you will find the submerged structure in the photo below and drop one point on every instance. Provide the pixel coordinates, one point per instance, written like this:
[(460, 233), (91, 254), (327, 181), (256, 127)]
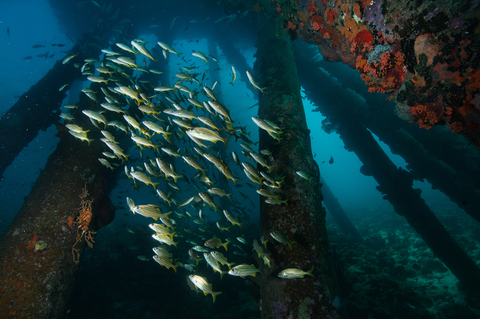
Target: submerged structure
[(158, 118)]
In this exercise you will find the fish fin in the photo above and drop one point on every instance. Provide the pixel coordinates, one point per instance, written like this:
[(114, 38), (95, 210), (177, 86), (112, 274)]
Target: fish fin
[(225, 245), (215, 294), (291, 244), (310, 272)]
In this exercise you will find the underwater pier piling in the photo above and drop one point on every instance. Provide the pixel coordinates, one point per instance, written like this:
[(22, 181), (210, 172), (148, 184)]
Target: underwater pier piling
[(395, 184), (37, 271), (338, 214), (34, 111), (303, 219), (432, 154), (433, 169)]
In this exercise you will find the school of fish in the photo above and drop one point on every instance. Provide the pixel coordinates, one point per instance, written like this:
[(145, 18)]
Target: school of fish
[(174, 122)]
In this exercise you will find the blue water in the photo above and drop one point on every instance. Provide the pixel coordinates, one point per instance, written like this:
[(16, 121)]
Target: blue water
[(32, 22)]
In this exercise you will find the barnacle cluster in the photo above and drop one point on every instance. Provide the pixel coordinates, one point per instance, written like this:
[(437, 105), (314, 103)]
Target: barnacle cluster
[(83, 221)]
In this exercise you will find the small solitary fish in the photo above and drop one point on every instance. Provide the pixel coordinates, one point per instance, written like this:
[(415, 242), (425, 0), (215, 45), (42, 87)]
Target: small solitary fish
[(304, 175), (292, 273), (234, 75), (253, 82), (281, 238)]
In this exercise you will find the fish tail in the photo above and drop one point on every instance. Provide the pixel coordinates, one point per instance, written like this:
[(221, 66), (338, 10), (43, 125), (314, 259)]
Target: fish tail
[(155, 185), (225, 140), (261, 89), (228, 195), (225, 245), (175, 268), (89, 140), (291, 244), (215, 294), (310, 272)]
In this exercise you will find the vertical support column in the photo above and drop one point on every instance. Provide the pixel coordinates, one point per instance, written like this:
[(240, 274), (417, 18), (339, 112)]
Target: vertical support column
[(37, 270), (303, 219)]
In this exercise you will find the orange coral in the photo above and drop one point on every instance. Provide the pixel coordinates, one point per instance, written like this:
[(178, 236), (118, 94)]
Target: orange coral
[(302, 15), (455, 127), (474, 81), (312, 7), (31, 245), (426, 118), (70, 221), (329, 16), (291, 26), (316, 26), (356, 10), (361, 63), (399, 59)]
